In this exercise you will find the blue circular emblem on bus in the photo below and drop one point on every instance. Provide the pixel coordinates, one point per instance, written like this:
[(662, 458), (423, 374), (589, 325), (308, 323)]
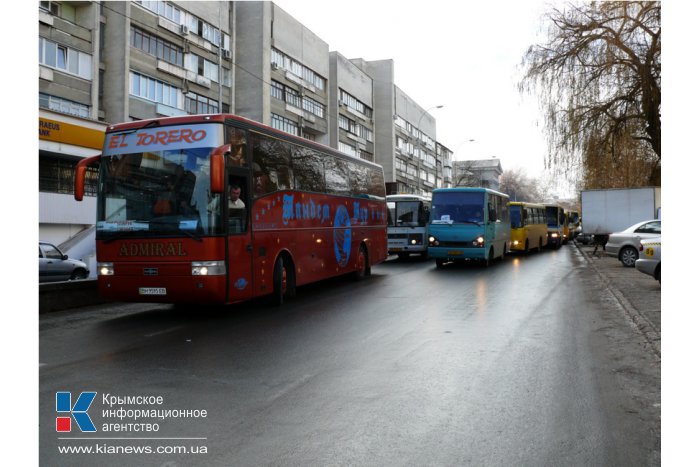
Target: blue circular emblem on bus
[(342, 236)]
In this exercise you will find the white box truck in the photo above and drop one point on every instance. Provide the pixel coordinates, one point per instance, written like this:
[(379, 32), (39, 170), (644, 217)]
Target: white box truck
[(607, 211)]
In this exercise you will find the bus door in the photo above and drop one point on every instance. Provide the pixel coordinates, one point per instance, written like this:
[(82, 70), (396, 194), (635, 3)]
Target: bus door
[(491, 216), (239, 236)]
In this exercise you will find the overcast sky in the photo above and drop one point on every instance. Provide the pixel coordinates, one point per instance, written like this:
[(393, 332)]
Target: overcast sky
[(462, 55)]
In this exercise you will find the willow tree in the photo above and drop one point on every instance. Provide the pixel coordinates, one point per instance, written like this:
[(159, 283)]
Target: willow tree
[(598, 79)]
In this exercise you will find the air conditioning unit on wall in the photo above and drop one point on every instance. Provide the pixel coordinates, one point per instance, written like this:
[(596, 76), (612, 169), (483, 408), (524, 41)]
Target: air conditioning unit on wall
[(225, 53), (184, 29)]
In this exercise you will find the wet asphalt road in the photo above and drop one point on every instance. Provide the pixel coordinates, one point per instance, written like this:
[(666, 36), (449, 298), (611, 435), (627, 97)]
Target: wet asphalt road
[(527, 362)]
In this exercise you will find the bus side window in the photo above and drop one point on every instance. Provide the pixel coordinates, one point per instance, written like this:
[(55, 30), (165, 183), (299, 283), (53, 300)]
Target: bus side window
[(237, 210), (272, 165), (236, 138)]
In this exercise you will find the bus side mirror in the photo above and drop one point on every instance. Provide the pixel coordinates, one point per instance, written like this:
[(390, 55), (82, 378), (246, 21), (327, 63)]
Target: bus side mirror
[(80, 170), (217, 172)]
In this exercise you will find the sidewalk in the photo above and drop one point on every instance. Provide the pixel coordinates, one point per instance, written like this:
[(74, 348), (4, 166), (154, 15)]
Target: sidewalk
[(638, 294)]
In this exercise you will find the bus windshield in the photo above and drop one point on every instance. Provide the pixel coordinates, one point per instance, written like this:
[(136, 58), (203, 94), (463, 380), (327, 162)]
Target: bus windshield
[(157, 193), (515, 217), (458, 207), (405, 214), (552, 216)]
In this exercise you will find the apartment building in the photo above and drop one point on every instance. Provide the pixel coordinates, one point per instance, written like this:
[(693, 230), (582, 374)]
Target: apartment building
[(109, 62), (69, 115), (283, 78), (406, 146), (481, 172), (351, 109)]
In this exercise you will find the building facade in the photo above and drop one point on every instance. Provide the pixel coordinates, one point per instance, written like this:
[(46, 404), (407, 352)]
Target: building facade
[(110, 62), (406, 146), (484, 173)]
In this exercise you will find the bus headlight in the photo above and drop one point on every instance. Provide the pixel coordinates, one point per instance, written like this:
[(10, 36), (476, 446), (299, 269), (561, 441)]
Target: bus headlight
[(415, 239), (208, 268), (479, 242), (105, 269), (555, 235), (516, 242), (432, 241)]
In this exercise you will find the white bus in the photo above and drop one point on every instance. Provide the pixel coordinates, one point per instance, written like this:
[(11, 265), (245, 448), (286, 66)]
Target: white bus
[(408, 221)]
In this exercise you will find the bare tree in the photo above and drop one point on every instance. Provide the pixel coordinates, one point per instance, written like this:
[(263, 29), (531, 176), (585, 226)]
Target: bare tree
[(520, 187), (465, 176), (598, 77)]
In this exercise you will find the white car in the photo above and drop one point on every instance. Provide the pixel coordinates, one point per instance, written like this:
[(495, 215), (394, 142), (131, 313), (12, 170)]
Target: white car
[(625, 245), (649, 261)]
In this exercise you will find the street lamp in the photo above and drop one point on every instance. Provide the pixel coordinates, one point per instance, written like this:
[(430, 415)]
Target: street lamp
[(425, 112), (470, 140)]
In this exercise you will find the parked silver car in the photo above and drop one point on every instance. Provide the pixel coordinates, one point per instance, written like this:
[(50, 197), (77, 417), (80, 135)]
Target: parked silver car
[(649, 261), (55, 266), (625, 245)]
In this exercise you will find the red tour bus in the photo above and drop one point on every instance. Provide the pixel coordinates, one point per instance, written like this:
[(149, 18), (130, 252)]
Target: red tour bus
[(169, 227)]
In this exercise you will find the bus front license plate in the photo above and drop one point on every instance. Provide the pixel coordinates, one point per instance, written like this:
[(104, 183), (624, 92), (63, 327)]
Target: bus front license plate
[(152, 291), (455, 252), (396, 249)]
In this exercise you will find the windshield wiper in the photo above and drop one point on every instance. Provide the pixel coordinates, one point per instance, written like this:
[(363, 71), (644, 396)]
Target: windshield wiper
[(120, 235), (147, 125), (192, 235)]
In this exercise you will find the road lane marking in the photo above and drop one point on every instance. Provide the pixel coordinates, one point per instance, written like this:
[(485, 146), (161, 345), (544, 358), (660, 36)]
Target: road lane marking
[(164, 331)]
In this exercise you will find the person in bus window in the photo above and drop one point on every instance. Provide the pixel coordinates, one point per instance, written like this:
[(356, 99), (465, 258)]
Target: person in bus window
[(236, 210), (261, 181), (234, 199)]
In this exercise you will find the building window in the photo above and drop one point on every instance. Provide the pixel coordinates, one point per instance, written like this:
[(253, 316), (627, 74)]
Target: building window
[(277, 90), (56, 176), (52, 7), (196, 104), (347, 149), (292, 97), (65, 59), (280, 60), (313, 107), (285, 124), (366, 155), (154, 90), (65, 106), (344, 123), (202, 67), (365, 133), (355, 104), (164, 9), (207, 31), (156, 46)]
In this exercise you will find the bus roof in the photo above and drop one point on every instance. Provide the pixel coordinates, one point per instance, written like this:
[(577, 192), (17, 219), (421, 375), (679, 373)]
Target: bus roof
[(241, 122), (465, 189), (526, 203), (407, 197)]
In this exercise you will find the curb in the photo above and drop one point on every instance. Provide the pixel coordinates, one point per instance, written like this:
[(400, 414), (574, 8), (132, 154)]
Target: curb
[(638, 321)]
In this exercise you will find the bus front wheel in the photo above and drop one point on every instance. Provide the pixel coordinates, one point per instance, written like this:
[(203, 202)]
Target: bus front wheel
[(440, 263), (489, 260)]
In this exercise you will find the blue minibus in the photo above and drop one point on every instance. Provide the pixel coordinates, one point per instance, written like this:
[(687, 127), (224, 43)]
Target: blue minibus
[(468, 223)]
